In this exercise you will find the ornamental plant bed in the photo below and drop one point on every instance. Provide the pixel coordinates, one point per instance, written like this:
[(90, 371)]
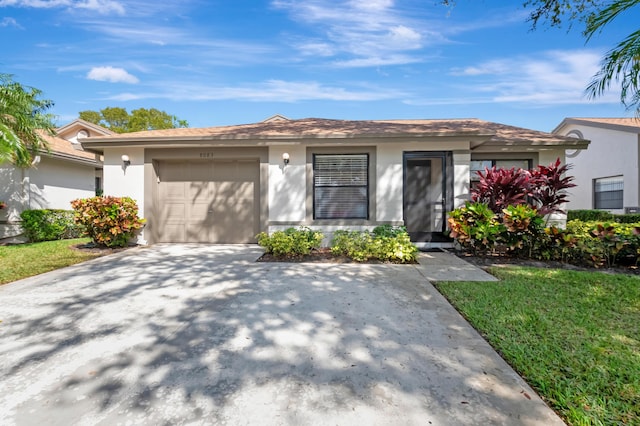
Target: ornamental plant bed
[(93, 248), (487, 261), (321, 255)]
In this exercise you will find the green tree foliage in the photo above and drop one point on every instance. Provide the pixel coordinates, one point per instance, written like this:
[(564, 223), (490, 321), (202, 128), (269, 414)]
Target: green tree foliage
[(120, 120), (23, 122), (620, 65)]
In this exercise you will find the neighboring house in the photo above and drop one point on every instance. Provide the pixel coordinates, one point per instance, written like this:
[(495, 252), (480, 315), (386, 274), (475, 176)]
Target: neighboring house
[(607, 173), (226, 184), (56, 178)]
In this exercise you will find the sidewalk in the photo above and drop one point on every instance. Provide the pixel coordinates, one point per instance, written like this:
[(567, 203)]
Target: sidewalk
[(444, 266)]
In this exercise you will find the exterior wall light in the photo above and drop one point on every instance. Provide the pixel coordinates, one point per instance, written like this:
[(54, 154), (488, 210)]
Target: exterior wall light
[(126, 162), (285, 158)]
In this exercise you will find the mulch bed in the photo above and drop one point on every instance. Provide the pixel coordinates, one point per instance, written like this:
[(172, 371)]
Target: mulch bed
[(484, 262), (101, 250)]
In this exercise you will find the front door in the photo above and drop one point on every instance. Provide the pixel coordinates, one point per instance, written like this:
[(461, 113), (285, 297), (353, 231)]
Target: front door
[(427, 191)]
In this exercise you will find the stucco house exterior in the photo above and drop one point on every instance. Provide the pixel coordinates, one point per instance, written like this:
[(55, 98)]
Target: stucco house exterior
[(226, 184), (56, 178), (607, 174)]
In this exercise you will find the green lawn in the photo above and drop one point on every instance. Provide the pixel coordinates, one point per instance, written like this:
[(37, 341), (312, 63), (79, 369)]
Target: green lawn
[(26, 260), (574, 336)]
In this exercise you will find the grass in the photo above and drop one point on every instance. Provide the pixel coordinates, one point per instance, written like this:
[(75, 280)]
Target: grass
[(26, 260), (574, 336)]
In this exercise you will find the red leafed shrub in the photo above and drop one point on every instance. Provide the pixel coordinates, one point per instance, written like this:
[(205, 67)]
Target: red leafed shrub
[(499, 188), (549, 186), (543, 188), (109, 221)]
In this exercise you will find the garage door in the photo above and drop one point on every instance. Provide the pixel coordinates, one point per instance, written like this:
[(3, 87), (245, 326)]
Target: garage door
[(208, 201)]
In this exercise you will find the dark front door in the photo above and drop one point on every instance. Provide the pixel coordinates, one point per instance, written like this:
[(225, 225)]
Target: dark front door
[(427, 188)]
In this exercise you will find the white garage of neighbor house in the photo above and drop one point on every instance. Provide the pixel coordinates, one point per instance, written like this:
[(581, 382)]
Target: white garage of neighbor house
[(607, 173), (226, 184), (56, 178)]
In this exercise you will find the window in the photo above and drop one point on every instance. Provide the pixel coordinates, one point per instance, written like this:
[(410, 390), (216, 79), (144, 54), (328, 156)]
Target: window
[(607, 192), (341, 186), (480, 165), (98, 185)]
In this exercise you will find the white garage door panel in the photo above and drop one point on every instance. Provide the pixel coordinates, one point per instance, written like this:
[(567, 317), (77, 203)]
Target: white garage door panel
[(208, 201)]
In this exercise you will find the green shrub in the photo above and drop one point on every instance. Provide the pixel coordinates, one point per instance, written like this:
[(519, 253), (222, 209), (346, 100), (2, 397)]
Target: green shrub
[(628, 218), (290, 242), (604, 243), (475, 227), (108, 221), (49, 225), (522, 229), (589, 215), (389, 230), (386, 243)]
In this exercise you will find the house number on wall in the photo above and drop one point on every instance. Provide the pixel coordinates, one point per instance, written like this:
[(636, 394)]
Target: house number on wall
[(206, 155)]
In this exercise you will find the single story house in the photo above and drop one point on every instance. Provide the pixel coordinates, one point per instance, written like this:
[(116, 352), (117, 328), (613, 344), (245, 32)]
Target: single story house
[(57, 176), (226, 184), (607, 173)]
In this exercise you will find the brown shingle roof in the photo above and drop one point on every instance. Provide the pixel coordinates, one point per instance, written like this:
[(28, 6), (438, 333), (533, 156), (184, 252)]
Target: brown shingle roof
[(63, 148), (325, 128), (308, 127)]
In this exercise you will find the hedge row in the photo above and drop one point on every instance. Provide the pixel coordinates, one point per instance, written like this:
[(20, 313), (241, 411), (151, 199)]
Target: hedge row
[(519, 232), (50, 225), (385, 243), (602, 216), (108, 221)]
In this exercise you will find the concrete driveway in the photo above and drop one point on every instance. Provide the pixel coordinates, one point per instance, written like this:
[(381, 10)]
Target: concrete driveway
[(197, 334)]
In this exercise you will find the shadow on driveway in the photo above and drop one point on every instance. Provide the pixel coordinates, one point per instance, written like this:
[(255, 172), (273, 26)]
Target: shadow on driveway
[(201, 334)]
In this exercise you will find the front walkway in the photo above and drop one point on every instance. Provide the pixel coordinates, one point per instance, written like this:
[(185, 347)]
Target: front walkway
[(197, 334)]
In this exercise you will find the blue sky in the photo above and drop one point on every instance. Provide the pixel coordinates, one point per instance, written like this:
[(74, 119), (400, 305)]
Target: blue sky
[(231, 62)]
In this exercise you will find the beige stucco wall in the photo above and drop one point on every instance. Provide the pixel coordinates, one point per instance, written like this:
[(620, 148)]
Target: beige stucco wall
[(287, 184), (287, 187), (389, 173), (611, 153), (53, 184), (121, 182), (129, 182)]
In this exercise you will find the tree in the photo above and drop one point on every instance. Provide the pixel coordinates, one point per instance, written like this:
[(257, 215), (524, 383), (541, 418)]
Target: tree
[(120, 121), (23, 122), (620, 65)]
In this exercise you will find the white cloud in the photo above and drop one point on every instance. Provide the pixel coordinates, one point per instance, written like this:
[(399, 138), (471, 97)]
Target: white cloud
[(374, 61), (546, 78), (268, 91), (405, 37), (312, 48), (371, 4), (112, 75), (362, 31), (10, 22), (494, 67), (100, 6)]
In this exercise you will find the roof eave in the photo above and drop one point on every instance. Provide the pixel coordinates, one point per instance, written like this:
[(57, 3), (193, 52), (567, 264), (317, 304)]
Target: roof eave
[(67, 157), (97, 145), (590, 123), (493, 146)]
